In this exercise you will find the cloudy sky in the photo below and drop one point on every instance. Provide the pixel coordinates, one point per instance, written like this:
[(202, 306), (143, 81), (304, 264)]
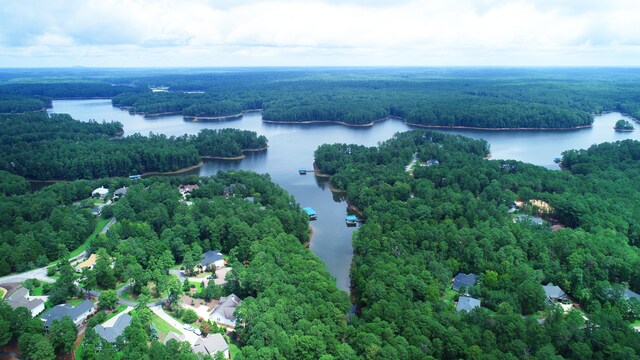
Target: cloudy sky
[(136, 33)]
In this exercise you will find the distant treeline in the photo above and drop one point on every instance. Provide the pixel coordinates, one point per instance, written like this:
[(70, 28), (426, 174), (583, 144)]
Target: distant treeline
[(44, 147), (489, 99), (67, 89), (20, 104)]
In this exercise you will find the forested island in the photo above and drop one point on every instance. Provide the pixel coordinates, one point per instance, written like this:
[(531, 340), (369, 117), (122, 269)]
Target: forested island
[(42, 147), (453, 216), (623, 125)]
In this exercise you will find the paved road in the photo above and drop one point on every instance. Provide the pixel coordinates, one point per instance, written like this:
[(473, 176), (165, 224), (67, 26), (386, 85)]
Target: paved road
[(41, 273), (179, 274), (188, 335)]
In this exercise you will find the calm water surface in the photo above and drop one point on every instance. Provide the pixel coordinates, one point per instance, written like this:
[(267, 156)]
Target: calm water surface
[(292, 147)]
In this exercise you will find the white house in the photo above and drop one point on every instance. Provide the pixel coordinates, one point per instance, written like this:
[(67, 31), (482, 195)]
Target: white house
[(212, 344), (223, 314), (101, 192), (78, 313), (21, 298)]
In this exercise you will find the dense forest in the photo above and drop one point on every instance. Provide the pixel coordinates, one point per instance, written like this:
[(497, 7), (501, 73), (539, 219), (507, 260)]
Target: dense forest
[(423, 227), (488, 98), (471, 98), (20, 104), (42, 147)]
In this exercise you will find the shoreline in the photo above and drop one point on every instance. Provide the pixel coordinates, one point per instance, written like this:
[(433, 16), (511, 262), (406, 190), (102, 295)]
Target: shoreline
[(239, 157), (317, 172), (451, 127), (191, 118), (175, 172)]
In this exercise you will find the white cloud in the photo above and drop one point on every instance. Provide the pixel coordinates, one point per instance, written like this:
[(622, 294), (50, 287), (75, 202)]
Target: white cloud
[(330, 32)]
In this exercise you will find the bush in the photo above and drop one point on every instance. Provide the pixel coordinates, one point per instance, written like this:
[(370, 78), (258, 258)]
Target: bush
[(51, 270), (189, 316), (32, 284)]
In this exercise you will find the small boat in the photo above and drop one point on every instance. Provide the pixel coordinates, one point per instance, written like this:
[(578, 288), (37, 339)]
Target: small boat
[(557, 160), (351, 220), (312, 213), (302, 171)]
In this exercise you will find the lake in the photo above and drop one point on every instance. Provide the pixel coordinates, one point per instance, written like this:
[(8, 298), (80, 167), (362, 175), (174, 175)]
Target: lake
[(291, 147)]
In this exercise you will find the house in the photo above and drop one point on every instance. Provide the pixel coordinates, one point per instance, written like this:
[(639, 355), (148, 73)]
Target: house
[(21, 298), (172, 335), (187, 189), (78, 313), (212, 260), (212, 344), (250, 199), (110, 330), (90, 262), (121, 192), (101, 192), (533, 219), (432, 162), (555, 293), (96, 211), (464, 280), (223, 313), (467, 303)]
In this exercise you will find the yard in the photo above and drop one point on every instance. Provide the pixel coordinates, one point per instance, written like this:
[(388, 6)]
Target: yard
[(99, 226), (163, 327)]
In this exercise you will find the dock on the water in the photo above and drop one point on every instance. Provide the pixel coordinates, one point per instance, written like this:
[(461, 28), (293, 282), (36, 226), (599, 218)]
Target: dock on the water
[(302, 171), (312, 213), (351, 220)]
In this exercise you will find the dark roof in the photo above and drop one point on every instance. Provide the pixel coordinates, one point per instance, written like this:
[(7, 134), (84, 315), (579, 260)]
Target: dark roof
[(211, 257), (462, 279), (554, 292), (210, 345), (20, 299), (534, 219), (111, 333), (628, 294), (60, 311), (467, 303)]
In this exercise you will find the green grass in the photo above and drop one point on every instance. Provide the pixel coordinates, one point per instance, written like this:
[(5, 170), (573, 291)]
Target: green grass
[(99, 226), (75, 302), (36, 291), (127, 295), (449, 294), (80, 351), (163, 327), (3, 292), (199, 286), (117, 311), (636, 323)]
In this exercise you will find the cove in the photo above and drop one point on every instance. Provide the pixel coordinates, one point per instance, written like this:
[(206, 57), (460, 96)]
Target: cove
[(291, 146)]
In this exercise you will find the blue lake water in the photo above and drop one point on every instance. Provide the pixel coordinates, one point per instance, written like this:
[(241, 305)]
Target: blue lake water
[(291, 147)]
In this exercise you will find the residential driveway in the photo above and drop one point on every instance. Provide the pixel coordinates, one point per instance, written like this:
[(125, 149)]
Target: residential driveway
[(221, 275), (179, 273), (190, 337)]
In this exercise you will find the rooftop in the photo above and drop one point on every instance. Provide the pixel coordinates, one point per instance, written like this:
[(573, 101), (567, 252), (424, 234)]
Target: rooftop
[(554, 292), (211, 257), (210, 345), (20, 298), (60, 311), (462, 279), (111, 333), (467, 303)]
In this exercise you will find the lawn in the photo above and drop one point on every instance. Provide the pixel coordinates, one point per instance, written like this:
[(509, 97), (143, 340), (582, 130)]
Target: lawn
[(117, 311), (163, 327), (127, 295), (99, 226), (449, 294), (75, 302), (36, 291), (635, 323), (3, 292)]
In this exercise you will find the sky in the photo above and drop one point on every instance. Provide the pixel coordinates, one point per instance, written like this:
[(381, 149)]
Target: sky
[(212, 33)]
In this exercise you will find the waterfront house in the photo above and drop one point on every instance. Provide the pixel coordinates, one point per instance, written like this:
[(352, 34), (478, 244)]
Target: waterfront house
[(21, 298)]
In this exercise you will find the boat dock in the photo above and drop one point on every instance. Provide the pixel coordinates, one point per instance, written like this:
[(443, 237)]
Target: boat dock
[(312, 213)]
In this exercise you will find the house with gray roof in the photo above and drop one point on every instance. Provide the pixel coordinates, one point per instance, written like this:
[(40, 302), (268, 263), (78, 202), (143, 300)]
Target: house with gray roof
[(78, 313), (111, 333), (172, 335), (223, 313), (121, 192), (212, 344), (466, 303), (211, 260), (21, 298), (464, 280), (555, 293)]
